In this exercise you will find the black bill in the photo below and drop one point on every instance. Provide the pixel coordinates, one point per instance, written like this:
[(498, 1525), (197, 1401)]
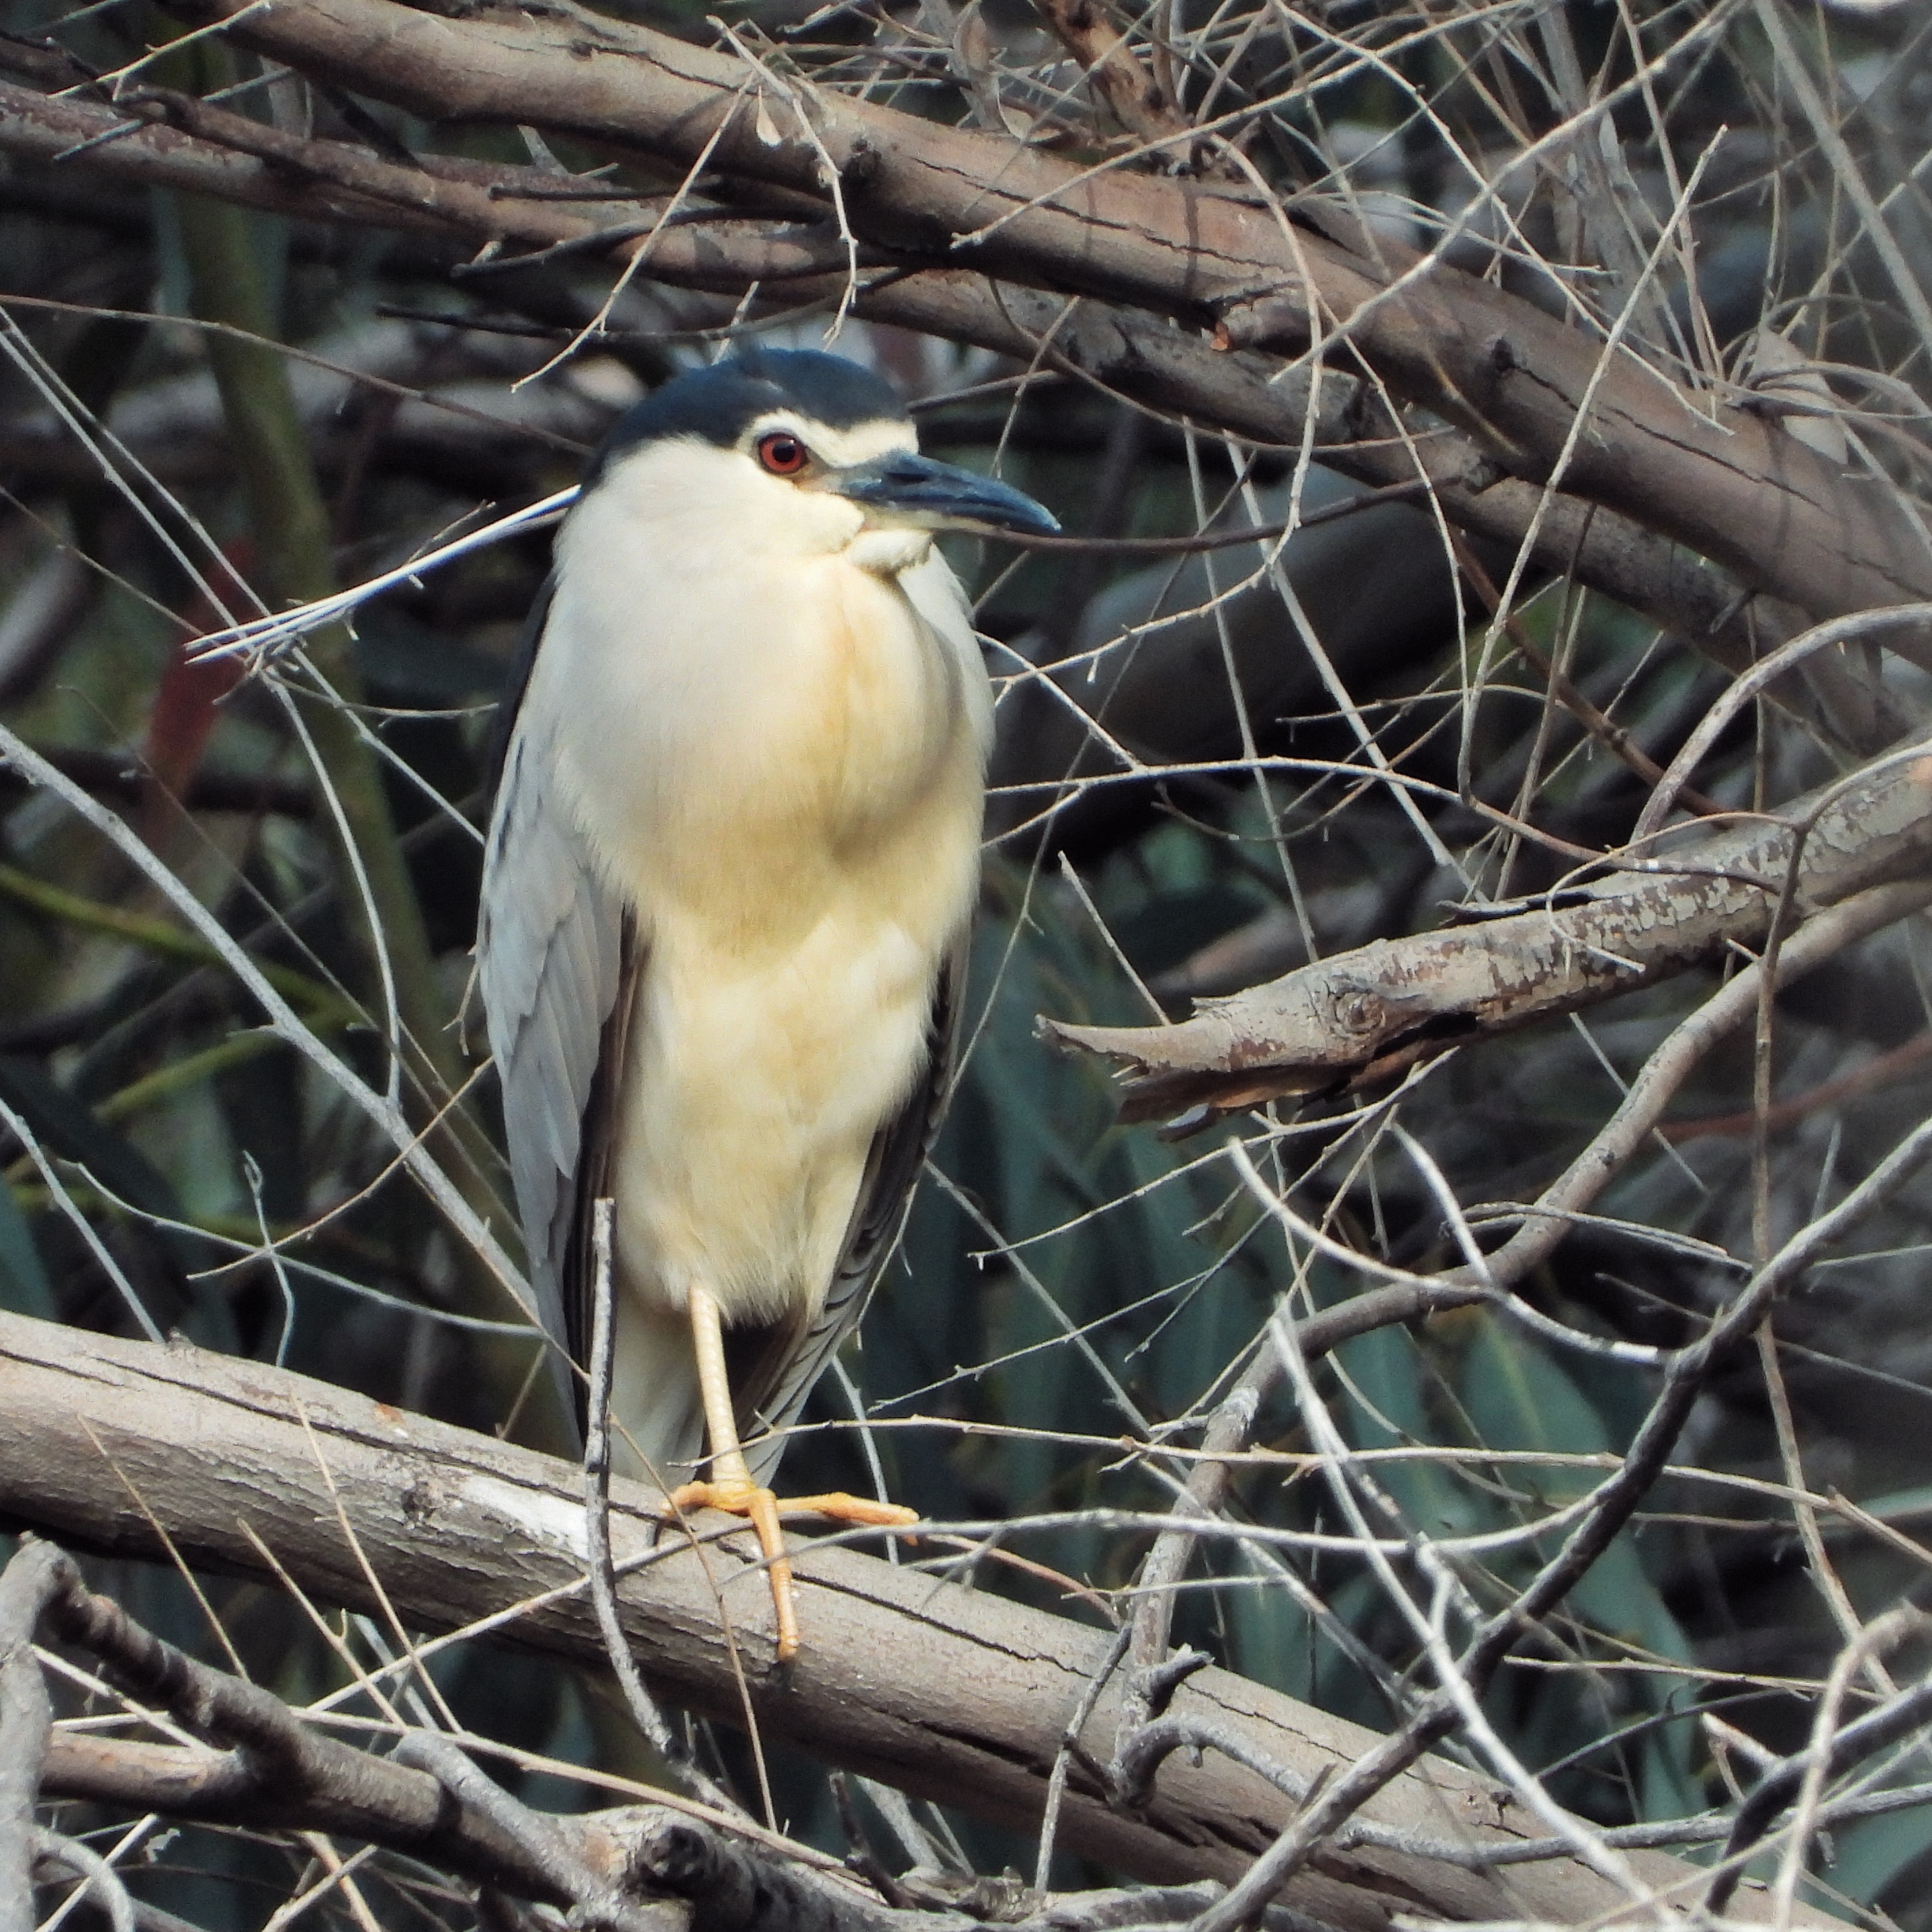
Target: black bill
[(939, 497)]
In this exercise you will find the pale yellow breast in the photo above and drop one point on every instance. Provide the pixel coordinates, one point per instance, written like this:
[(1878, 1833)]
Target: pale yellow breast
[(795, 916)]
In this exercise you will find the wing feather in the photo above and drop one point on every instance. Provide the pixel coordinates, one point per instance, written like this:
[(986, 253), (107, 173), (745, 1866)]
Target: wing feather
[(551, 948), (577, 1275)]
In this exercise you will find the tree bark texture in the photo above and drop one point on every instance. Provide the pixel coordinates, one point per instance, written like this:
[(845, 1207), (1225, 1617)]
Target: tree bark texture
[(941, 1689)]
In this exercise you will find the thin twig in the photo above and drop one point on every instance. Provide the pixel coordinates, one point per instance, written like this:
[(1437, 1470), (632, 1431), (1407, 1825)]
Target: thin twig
[(600, 1567)]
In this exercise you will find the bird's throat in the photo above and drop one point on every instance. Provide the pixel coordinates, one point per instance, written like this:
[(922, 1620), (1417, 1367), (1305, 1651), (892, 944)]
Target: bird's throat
[(886, 553)]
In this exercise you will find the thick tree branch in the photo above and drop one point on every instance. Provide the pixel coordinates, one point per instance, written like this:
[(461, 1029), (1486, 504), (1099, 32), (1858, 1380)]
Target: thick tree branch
[(1728, 483), (1367, 1014), (424, 1798), (1244, 394), (945, 1692), (692, 1875)]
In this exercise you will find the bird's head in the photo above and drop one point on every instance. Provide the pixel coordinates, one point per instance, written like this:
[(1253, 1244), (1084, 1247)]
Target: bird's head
[(797, 452)]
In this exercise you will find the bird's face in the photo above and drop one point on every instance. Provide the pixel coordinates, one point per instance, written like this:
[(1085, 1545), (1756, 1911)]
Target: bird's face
[(865, 489), (790, 454)]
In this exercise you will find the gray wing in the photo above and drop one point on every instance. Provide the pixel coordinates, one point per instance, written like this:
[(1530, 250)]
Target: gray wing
[(551, 947), (773, 1369)]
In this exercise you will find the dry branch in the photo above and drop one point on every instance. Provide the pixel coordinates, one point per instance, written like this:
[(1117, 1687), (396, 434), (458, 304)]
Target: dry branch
[(1132, 354), (425, 1798), (1737, 489), (275, 1768), (1721, 480), (1136, 98), (1365, 1015), (943, 1691)]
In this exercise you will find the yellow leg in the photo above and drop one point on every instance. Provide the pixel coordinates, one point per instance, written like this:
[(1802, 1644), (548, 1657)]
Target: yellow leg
[(731, 1488)]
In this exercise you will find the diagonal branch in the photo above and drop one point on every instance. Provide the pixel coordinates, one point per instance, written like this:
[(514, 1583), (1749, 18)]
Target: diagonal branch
[(943, 1691), (1730, 485), (1368, 1014)]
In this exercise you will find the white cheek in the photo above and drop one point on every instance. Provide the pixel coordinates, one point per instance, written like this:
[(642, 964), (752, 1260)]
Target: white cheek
[(808, 522)]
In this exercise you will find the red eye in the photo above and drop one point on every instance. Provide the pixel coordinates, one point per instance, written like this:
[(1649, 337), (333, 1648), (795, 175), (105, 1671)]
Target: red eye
[(782, 453)]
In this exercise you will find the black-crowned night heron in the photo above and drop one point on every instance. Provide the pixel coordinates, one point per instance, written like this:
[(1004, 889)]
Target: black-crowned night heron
[(730, 871)]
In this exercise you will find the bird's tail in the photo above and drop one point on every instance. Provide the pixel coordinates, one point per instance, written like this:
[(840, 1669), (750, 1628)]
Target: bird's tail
[(657, 1413)]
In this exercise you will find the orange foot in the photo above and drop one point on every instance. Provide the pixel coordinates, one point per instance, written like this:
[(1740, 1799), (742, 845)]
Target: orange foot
[(764, 1509)]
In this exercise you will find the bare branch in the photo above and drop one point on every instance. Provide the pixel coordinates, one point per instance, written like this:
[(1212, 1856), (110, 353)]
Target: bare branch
[(1513, 377), (940, 1691), (25, 1716), (1365, 1015), (1127, 353), (1135, 96)]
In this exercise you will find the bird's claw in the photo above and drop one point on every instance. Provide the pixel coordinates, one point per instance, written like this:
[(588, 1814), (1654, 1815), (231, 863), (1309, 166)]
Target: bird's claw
[(763, 1509)]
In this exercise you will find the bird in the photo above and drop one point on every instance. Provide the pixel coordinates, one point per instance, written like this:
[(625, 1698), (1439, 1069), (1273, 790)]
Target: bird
[(730, 875)]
